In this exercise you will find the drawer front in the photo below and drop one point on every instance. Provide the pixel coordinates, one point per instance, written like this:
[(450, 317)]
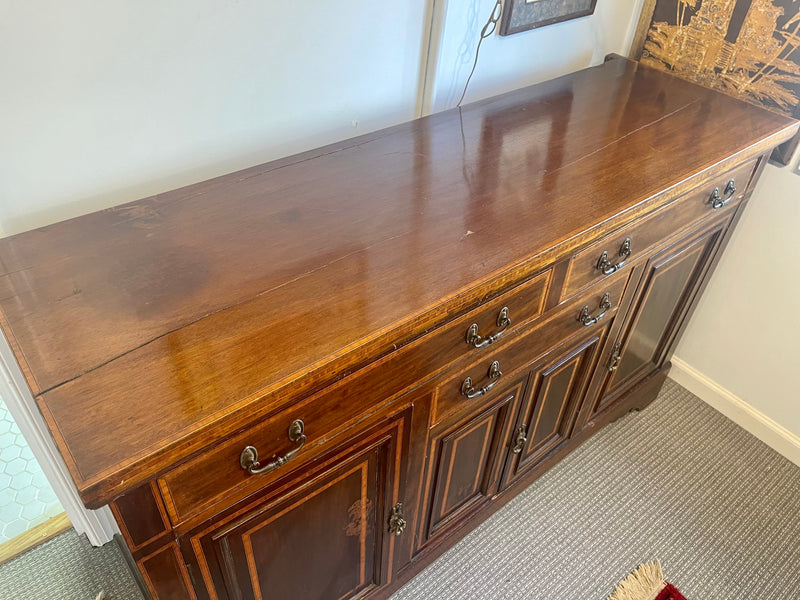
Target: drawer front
[(488, 324), (327, 533), (277, 444), (617, 250), (470, 388), (203, 481)]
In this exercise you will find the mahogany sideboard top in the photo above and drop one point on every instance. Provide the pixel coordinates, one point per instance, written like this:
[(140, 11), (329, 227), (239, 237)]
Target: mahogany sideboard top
[(150, 330)]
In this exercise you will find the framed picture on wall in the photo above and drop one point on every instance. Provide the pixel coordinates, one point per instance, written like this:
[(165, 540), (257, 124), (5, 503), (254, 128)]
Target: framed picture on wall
[(749, 49), (521, 15)]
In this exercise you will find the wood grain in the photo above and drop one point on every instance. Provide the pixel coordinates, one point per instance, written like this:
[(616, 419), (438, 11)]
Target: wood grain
[(553, 398), (338, 287), (151, 330), (333, 518), (655, 227), (668, 289)]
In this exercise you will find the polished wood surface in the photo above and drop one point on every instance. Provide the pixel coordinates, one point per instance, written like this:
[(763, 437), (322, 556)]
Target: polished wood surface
[(652, 229), (166, 575), (141, 515), (467, 458), (331, 525), (555, 392), (148, 330), (201, 482), (426, 299), (669, 285), (322, 535)]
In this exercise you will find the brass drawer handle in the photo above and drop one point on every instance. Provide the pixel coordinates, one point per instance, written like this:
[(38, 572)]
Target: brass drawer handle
[(397, 522), (494, 374), (717, 201), (519, 441), (613, 362), (475, 339), (607, 267), (248, 459), (587, 319)]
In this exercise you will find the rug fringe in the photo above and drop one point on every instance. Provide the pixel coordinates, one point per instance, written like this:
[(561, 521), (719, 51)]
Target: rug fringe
[(643, 584)]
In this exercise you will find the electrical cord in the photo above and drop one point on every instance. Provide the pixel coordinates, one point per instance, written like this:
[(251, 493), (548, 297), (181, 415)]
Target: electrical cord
[(488, 30)]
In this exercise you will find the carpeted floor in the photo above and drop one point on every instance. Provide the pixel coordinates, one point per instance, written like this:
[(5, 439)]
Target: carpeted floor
[(677, 482), (68, 568)]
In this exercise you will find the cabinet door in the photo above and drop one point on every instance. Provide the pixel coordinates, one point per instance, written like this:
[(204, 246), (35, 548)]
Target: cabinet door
[(326, 536), (669, 285), (466, 459), (556, 388)]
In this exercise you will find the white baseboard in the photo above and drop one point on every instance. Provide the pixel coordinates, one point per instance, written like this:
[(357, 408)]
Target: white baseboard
[(737, 410)]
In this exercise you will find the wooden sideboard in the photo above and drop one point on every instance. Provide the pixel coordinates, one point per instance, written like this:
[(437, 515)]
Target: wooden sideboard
[(310, 378)]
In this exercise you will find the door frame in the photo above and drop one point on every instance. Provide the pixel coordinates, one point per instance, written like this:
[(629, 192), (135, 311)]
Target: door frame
[(98, 525)]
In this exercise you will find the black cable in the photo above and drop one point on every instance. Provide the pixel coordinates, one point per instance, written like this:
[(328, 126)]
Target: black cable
[(488, 30)]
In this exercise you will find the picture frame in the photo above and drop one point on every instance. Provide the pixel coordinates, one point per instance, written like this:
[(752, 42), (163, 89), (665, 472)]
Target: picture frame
[(523, 15), (749, 49)]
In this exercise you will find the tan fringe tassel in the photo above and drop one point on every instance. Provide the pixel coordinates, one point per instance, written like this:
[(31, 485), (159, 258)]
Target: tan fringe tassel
[(643, 584)]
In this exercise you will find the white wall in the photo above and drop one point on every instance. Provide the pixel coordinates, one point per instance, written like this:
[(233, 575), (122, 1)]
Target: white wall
[(745, 334), (521, 59), (105, 102)]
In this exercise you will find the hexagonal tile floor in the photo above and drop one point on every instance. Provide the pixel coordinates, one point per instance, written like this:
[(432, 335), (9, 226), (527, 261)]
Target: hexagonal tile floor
[(26, 498)]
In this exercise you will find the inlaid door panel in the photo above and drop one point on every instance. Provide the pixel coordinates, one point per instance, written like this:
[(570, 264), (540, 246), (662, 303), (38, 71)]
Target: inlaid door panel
[(669, 285), (329, 539), (555, 391), (466, 461)]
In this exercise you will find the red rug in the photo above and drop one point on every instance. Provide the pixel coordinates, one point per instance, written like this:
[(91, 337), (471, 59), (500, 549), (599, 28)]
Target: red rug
[(670, 592), (646, 583)]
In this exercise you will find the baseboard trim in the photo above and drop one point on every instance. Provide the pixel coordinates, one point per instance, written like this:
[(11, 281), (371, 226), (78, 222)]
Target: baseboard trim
[(35, 536), (737, 410)]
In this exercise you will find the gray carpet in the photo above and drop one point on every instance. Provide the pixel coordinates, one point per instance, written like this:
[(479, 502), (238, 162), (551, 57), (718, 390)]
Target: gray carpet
[(677, 482), (68, 568)]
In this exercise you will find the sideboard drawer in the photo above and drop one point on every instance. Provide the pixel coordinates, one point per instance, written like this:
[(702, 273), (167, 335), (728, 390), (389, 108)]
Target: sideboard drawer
[(595, 304), (613, 252), (205, 480), (201, 482), (472, 334), (488, 323)]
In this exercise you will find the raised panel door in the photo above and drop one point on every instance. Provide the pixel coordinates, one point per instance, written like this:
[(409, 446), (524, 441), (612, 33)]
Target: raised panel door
[(466, 459), (669, 285), (555, 391), (330, 538)]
